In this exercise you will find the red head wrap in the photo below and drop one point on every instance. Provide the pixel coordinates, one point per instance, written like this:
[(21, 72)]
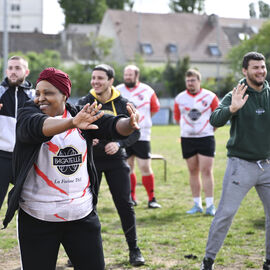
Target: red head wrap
[(57, 78)]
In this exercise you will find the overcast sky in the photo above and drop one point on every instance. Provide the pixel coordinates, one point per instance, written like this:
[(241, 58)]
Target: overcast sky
[(54, 18)]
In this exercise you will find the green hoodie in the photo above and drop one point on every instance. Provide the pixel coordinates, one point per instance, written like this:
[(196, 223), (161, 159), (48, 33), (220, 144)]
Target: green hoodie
[(250, 126)]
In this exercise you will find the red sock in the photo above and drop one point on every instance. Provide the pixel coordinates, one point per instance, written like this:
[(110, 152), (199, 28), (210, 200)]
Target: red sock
[(148, 182), (133, 182)]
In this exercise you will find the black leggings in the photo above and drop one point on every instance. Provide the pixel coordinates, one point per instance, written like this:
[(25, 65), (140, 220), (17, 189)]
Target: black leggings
[(40, 241), (5, 177), (117, 177)]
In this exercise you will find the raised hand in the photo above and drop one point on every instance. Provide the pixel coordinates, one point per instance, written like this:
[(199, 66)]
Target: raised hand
[(238, 98), (134, 116), (88, 115)]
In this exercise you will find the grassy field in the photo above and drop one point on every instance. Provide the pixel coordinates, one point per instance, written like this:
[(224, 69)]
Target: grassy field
[(167, 235)]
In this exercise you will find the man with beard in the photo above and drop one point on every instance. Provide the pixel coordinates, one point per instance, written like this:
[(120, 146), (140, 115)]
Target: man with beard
[(248, 165), (192, 109), (14, 92), (146, 102)]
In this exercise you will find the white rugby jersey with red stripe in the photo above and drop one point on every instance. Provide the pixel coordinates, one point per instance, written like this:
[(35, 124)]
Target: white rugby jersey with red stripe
[(57, 186), (193, 113), (146, 102)]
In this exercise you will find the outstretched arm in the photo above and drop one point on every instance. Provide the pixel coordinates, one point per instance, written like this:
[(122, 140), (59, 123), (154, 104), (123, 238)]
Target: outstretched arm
[(125, 126), (82, 120)]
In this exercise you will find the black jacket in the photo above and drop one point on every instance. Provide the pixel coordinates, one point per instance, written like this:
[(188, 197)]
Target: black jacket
[(114, 106), (12, 98), (29, 138)]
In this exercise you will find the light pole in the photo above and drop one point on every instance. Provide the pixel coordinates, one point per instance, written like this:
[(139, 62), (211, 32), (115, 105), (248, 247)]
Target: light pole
[(5, 38)]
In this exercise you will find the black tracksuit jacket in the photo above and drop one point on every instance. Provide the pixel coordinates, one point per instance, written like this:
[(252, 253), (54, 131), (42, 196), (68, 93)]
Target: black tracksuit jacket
[(29, 138)]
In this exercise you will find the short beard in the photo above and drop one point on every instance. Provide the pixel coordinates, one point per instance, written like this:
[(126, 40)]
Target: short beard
[(17, 83), (256, 83), (129, 84)]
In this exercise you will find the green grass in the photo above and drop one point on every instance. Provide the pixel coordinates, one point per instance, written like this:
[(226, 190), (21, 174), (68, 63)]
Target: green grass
[(166, 235)]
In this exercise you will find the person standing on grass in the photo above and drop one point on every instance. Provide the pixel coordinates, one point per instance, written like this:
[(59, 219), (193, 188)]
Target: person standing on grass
[(110, 157), (146, 101), (55, 178), (248, 165), (15, 90), (192, 109)]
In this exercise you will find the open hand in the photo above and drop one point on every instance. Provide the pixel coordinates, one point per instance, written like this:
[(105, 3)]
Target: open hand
[(238, 98), (134, 116), (88, 115), (1, 105)]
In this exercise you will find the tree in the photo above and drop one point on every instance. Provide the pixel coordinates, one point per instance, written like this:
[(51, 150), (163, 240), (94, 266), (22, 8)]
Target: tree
[(252, 11), (264, 10), (83, 11), (174, 76), (90, 11), (189, 6), (259, 42), (118, 4), (99, 47)]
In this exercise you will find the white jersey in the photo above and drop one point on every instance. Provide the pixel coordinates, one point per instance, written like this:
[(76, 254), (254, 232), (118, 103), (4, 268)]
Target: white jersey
[(57, 186), (193, 113), (146, 102)]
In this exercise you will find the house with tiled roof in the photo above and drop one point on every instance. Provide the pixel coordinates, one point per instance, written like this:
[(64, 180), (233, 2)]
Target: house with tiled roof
[(162, 37), (157, 37)]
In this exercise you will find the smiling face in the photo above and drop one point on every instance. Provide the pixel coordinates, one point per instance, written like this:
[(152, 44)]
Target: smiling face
[(255, 73), (49, 99), (17, 71), (101, 83)]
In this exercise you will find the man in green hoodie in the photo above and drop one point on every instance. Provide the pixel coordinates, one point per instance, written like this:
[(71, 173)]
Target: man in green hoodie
[(248, 166)]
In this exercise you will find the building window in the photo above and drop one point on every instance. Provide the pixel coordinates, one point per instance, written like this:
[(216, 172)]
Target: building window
[(146, 48), (172, 48), (15, 26), (243, 36), (214, 50), (15, 7)]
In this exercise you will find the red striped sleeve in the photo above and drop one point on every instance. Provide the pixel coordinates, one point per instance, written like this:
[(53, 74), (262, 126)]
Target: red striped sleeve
[(214, 103), (154, 104), (176, 112)]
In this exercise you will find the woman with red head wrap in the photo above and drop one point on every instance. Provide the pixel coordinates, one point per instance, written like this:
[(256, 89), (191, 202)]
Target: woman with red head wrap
[(55, 178)]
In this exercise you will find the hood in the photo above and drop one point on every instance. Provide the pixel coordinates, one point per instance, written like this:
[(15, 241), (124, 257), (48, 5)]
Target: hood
[(25, 85), (115, 94), (251, 90)]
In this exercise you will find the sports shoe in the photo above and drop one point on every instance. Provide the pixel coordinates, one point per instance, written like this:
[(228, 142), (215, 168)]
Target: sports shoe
[(153, 204), (211, 210), (207, 264), (195, 209), (135, 257), (69, 263), (266, 265)]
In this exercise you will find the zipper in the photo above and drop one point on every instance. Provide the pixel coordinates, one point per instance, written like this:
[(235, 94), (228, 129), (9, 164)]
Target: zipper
[(16, 101)]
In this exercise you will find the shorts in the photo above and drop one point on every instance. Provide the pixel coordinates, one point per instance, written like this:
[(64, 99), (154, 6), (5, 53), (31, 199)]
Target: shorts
[(204, 146), (140, 149)]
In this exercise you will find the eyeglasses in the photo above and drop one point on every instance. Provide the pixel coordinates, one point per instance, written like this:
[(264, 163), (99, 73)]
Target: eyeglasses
[(191, 81)]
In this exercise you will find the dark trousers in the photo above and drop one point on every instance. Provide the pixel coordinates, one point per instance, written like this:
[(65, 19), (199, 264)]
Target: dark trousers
[(40, 241), (5, 177), (117, 177)]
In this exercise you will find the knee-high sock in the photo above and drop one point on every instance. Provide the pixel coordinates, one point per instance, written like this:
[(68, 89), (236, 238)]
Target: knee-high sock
[(133, 182), (148, 182)]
